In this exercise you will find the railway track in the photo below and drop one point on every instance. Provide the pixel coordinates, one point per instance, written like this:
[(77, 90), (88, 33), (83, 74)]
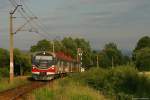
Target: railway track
[(20, 91)]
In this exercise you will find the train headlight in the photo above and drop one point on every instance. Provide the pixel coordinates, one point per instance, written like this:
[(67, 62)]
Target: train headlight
[(53, 68)]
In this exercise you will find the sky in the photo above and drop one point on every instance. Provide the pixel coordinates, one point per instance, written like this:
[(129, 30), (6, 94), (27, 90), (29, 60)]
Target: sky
[(123, 22)]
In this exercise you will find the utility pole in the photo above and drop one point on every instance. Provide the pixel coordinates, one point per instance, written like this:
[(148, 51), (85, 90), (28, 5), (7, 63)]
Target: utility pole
[(53, 47), (11, 73), (79, 57)]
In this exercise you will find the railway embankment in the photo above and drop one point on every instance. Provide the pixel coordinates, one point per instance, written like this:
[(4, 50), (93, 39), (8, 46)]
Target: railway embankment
[(19, 91), (119, 83), (18, 81), (65, 89)]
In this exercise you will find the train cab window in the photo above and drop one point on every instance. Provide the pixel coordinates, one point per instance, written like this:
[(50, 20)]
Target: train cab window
[(44, 61)]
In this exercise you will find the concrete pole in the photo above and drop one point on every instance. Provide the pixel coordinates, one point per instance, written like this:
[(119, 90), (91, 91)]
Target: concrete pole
[(11, 49), (11, 73)]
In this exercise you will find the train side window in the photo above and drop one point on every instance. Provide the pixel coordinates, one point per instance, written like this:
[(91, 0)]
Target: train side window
[(58, 63), (62, 63), (65, 63)]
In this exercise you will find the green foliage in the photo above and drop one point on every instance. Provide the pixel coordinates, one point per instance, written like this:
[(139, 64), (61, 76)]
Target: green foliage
[(86, 50), (43, 45), (104, 61), (4, 57), (110, 56), (111, 45), (22, 62), (143, 42), (58, 46), (142, 59), (141, 54), (122, 82), (4, 72), (126, 60), (69, 46), (67, 89), (44, 94), (5, 84), (4, 63)]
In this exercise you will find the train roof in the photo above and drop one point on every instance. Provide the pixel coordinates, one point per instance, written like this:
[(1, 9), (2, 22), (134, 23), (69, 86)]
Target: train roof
[(58, 55), (63, 56)]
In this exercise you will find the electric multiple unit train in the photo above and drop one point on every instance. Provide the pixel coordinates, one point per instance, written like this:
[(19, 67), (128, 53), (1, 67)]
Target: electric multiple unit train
[(48, 65)]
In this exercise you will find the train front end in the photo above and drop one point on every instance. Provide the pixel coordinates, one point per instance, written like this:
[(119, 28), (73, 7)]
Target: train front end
[(43, 66)]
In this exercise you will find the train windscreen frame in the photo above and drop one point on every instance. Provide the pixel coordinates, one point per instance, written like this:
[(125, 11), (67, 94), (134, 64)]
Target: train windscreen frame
[(43, 61)]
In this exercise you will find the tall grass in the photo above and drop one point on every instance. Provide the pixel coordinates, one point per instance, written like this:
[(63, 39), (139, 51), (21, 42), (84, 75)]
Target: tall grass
[(66, 89), (5, 84), (122, 82)]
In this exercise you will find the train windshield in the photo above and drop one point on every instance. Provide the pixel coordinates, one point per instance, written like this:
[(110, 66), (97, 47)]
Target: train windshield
[(44, 58), (44, 61)]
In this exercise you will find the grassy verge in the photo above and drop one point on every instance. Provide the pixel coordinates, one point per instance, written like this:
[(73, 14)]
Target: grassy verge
[(4, 83), (66, 89), (122, 82), (147, 74)]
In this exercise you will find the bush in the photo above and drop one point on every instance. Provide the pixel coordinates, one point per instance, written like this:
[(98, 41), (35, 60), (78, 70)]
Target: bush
[(123, 81), (142, 59), (22, 61), (4, 72), (4, 57)]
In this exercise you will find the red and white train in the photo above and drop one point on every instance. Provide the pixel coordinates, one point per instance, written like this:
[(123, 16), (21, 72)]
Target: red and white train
[(48, 65)]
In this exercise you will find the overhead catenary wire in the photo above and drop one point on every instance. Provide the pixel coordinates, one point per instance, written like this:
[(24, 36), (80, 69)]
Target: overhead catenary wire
[(26, 17), (39, 23)]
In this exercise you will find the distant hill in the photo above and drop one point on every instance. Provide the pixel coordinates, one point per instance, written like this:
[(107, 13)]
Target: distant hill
[(127, 52)]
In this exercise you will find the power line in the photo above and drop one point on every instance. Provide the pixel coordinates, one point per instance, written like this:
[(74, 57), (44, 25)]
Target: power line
[(26, 18), (39, 23), (36, 25), (23, 16)]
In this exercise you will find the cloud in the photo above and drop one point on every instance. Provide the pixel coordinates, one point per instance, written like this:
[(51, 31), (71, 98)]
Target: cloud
[(98, 21)]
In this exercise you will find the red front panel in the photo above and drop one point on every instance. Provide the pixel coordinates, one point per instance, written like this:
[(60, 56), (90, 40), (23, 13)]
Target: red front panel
[(50, 69)]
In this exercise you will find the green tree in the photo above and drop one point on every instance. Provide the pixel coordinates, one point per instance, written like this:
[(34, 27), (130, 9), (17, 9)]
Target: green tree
[(70, 47), (4, 57), (94, 55), (110, 56), (4, 63), (43, 45), (141, 54), (22, 62), (58, 46), (143, 42), (104, 61), (126, 60), (142, 59), (86, 51)]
